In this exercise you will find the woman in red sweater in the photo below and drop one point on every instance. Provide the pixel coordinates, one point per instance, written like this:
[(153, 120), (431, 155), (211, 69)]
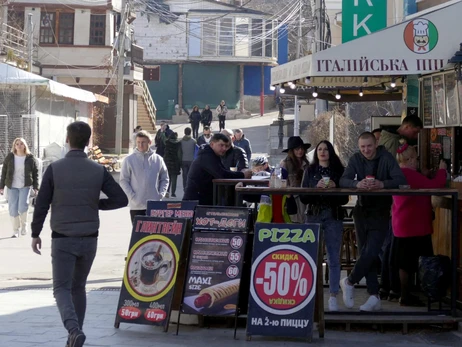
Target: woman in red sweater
[(412, 221)]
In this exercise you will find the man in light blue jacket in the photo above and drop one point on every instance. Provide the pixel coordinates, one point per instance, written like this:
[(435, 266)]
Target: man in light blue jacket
[(144, 176)]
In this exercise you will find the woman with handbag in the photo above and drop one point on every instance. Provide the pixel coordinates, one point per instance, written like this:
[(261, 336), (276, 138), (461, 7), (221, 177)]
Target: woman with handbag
[(325, 172), (294, 165), (19, 174)]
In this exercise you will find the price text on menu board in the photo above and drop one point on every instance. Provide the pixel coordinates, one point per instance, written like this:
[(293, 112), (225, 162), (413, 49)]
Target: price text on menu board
[(283, 280), (221, 218), (214, 273), (151, 270)]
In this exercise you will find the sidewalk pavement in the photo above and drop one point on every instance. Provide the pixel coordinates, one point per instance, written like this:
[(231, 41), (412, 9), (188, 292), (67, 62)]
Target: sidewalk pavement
[(29, 318)]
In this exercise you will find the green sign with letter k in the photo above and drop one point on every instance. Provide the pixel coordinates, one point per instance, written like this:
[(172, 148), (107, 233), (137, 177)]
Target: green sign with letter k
[(362, 17)]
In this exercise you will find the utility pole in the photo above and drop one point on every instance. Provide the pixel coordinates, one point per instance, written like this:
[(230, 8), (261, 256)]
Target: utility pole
[(120, 78), (299, 40), (321, 105)]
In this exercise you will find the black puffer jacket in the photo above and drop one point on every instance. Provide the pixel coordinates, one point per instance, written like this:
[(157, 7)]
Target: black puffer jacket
[(173, 156), (206, 167), (235, 156), (206, 117), (30, 174)]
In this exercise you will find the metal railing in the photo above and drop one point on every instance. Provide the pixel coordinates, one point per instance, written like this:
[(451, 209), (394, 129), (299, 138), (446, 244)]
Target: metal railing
[(148, 101), (14, 43)]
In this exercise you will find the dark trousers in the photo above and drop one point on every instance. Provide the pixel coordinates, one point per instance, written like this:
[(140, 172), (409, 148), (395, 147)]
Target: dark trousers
[(389, 275), (185, 166), (71, 259), (195, 129), (134, 213), (172, 184), (371, 229), (221, 122)]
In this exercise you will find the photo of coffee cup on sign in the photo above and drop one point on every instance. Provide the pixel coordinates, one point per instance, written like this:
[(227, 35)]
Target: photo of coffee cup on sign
[(151, 267)]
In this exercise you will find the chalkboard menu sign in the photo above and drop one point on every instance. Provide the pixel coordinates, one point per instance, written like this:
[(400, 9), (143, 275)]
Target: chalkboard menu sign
[(221, 218), (439, 100), (427, 104), (450, 86)]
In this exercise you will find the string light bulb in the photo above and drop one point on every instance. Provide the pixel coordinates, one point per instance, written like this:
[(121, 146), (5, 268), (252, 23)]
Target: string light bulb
[(338, 96), (393, 83), (293, 86), (361, 92), (315, 93), (272, 87), (282, 90)]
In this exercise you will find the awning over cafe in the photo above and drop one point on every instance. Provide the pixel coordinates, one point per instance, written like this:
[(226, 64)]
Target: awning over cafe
[(420, 45)]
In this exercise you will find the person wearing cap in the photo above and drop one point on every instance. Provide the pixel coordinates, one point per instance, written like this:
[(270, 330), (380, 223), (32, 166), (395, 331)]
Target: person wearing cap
[(295, 164), (260, 166), (234, 157)]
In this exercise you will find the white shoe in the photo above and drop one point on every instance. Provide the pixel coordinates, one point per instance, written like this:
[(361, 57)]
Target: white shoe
[(333, 307), (372, 304), (348, 293), (15, 235), (23, 232)]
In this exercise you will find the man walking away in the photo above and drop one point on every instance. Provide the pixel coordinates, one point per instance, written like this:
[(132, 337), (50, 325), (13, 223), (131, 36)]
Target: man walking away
[(188, 146), (208, 166), (204, 139), (374, 168), (72, 187), (161, 137), (241, 141), (144, 176)]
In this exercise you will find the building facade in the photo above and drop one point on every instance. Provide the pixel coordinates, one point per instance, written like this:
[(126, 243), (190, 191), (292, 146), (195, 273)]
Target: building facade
[(199, 53)]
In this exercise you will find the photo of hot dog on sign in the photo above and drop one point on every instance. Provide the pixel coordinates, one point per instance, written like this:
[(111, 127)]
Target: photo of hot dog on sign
[(213, 273)]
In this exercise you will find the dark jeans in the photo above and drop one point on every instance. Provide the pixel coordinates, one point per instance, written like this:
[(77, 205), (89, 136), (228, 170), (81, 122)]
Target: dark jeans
[(134, 213), (221, 122), (195, 130), (389, 275), (72, 258), (172, 184), (185, 166), (371, 229)]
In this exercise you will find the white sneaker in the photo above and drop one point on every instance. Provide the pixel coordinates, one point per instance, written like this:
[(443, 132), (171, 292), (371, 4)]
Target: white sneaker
[(23, 232), (372, 304), (15, 235), (348, 293), (333, 307)]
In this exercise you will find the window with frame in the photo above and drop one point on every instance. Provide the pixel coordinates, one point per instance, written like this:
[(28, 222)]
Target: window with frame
[(226, 37), (209, 44), (269, 39), (242, 37), (98, 30), (257, 37), (57, 26), (47, 27)]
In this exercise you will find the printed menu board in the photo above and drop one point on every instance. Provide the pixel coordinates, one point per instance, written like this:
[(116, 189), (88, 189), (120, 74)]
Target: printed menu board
[(214, 273), (450, 86), (283, 280), (439, 100), (427, 104), (150, 271)]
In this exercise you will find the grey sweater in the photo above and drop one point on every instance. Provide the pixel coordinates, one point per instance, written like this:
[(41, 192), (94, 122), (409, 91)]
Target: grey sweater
[(384, 167), (188, 146)]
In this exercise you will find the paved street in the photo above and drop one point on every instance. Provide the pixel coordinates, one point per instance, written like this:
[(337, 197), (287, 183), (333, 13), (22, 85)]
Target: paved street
[(28, 316)]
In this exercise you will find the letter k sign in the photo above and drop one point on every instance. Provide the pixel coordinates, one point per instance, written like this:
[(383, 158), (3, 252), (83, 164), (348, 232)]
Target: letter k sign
[(362, 24), (369, 2)]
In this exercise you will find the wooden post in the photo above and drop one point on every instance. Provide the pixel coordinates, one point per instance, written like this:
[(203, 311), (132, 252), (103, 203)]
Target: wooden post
[(180, 88), (241, 89)]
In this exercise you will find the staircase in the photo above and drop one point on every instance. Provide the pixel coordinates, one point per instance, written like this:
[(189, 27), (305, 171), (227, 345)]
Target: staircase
[(146, 109)]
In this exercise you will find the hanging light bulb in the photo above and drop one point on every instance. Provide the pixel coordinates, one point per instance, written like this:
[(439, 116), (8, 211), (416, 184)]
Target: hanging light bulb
[(393, 83), (338, 96), (272, 87), (361, 92), (293, 86), (282, 90), (289, 83), (315, 93)]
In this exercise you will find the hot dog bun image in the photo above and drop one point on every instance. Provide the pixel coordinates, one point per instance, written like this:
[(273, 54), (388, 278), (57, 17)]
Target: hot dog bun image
[(216, 294)]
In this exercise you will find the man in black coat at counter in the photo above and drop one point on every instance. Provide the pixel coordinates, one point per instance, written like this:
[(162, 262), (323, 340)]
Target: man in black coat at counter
[(207, 167), (234, 156)]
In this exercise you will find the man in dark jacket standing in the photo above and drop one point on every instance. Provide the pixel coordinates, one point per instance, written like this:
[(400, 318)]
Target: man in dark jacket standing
[(72, 187), (204, 139), (188, 147), (208, 166), (234, 157), (161, 138), (241, 141), (372, 168)]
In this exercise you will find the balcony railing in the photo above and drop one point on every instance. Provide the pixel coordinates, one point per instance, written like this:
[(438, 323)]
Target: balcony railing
[(14, 44)]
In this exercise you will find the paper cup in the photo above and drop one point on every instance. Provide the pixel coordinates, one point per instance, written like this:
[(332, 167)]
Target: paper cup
[(234, 169), (326, 180)]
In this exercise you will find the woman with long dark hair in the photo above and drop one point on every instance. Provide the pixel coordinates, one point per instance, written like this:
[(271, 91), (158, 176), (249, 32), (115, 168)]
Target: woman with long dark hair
[(295, 164), (325, 172)]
